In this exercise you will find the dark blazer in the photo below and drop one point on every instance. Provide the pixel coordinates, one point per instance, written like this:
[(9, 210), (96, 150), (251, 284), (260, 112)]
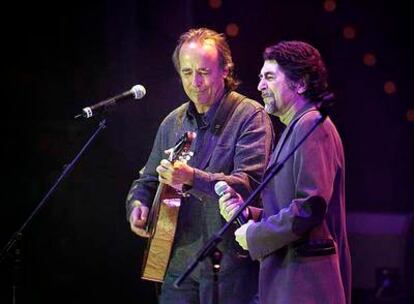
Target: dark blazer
[(317, 169), (235, 148)]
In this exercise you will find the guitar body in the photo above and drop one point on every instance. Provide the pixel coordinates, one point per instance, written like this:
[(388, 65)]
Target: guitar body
[(159, 247), (163, 217)]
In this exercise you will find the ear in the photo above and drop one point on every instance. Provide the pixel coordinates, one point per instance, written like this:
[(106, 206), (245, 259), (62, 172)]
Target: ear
[(302, 86), (225, 72)]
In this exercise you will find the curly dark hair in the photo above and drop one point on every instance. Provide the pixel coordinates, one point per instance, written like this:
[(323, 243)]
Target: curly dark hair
[(225, 59), (301, 62)]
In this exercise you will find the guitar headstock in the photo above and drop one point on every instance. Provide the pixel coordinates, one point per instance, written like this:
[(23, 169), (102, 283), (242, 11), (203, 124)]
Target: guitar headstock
[(185, 156), (181, 151)]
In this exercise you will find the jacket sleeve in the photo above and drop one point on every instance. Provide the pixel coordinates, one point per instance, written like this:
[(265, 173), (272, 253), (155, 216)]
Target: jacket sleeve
[(314, 170), (144, 188)]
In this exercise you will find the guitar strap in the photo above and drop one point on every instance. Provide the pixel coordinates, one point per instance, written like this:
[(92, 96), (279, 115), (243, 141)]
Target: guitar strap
[(223, 113)]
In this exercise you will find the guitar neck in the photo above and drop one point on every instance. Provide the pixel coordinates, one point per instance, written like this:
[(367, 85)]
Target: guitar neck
[(153, 214)]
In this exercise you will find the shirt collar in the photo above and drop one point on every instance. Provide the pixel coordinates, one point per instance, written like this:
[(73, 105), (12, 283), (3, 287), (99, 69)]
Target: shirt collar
[(204, 120)]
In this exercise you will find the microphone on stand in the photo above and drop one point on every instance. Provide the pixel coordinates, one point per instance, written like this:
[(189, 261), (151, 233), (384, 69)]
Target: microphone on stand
[(137, 91), (221, 188)]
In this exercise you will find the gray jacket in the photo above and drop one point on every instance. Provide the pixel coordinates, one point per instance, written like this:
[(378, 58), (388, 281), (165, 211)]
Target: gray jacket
[(317, 169)]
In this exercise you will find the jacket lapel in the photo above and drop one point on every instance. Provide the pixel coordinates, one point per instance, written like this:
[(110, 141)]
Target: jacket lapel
[(276, 152)]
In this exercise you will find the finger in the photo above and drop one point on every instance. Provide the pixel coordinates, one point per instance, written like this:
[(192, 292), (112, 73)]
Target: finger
[(224, 213), (139, 215), (144, 234), (232, 208), (224, 203), (144, 214), (222, 210), (135, 214), (169, 151), (161, 170), (177, 164), (138, 228), (138, 222), (166, 164), (139, 231), (137, 203), (231, 212), (223, 200), (231, 202), (162, 179), (227, 196)]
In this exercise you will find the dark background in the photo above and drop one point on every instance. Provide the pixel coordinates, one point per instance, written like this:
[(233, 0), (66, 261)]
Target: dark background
[(61, 57)]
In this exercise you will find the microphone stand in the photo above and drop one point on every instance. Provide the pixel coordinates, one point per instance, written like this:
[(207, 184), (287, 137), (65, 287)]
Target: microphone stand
[(13, 247), (215, 261), (210, 246)]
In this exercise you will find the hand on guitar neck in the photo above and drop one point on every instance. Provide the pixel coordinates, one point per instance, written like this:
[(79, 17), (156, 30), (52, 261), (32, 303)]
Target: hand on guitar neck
[(175, 174), (138, 219)]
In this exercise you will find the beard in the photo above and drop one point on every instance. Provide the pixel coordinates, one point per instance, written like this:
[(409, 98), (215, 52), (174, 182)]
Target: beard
[(270, 106)]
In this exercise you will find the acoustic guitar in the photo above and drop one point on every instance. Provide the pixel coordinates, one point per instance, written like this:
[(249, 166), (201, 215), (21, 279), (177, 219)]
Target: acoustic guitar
[(163, 216)]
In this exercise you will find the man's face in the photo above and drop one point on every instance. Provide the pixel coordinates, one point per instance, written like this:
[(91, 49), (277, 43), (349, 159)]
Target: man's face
[(276, 89), (201, 75)]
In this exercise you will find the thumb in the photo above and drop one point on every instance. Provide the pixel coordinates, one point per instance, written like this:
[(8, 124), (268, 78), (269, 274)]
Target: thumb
[(169, 151), (223, 200), (144, 213)]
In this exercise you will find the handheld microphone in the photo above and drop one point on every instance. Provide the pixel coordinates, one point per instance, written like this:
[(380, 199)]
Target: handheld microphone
[(137, 91), (221, 188)]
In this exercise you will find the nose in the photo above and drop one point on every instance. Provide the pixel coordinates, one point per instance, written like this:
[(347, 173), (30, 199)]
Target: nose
[(262, 85), (197, 80)]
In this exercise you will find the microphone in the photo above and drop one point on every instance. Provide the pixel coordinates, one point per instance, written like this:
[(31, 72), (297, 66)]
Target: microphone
[(221, 188), (137, 91)]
